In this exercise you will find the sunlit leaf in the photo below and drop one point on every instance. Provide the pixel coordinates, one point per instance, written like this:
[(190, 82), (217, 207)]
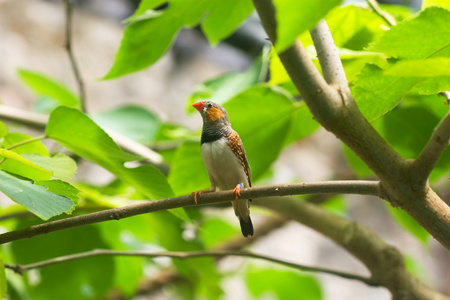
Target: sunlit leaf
[(61, 165), (19, 165), (3, 286)]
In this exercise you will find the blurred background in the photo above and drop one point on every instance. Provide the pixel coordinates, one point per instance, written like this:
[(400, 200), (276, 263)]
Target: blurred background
[(32, 37)]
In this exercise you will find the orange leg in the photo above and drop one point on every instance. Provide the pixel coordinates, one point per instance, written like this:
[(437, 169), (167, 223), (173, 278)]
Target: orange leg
[(237, 190), (199, 194)]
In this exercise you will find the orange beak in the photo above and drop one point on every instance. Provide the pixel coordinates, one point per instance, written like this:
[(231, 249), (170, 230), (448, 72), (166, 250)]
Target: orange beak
[(198, 105)]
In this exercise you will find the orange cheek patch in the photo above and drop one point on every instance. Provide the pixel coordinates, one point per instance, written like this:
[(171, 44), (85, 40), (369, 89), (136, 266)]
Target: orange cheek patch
[(213, 114)]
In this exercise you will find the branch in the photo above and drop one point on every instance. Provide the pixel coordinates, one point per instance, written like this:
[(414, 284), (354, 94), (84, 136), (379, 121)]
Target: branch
[(337, 112), (428, 158), (183, 255), (384, 15), (329, 59), (334, 187), (76, 71), (384, 262), (39, 121)]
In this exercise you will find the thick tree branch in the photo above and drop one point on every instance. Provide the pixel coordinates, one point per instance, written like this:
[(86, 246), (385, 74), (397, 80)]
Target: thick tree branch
[(329, 60), (337, 111), (384, 262), (431, 153), (334, 187), (39, 121), (182, 255), (69, 48)]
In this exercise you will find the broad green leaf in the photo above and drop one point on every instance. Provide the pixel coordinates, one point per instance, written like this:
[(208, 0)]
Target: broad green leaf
[(282, 284), (3, 130), (425, 36), (149, 34), (224, 17), (90, 278), (187, 172), (61, 165), (132, 121), (294, 17), (3, 286), (36, 198), (46, 86), (19, 165), (440, 3), (77, 132), (376, 94), (409, 224), (262, 117)]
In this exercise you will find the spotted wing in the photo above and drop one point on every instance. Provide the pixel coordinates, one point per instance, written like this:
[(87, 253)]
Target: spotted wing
[(235, 143)]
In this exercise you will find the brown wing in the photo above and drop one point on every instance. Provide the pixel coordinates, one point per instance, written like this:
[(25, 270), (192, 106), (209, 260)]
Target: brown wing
[(235, 143)]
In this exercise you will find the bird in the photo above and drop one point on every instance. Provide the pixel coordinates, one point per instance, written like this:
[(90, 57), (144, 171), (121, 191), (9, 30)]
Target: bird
[(225, 160)]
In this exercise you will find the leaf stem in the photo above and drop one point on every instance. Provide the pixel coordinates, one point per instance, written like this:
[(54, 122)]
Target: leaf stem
[(384, 15), (29, 141)]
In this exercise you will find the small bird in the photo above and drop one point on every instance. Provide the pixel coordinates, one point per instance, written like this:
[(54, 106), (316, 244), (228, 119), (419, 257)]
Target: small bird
[(225, 160)]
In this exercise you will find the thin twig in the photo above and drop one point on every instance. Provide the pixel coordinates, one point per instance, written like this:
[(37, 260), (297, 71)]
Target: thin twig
[(76, 71), (384, 15), (428, 158), (31, 140), (333, 187), (329, 59), (186, 255)]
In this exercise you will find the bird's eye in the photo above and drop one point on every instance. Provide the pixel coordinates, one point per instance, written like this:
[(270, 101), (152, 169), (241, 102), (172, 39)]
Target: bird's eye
[(209, 105)]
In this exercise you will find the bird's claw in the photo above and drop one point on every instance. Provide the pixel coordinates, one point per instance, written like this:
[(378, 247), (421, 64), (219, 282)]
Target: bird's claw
[(237, 190), (198, 194)]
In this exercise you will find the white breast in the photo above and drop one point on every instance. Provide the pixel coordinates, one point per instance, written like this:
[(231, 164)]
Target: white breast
[(224, 168)]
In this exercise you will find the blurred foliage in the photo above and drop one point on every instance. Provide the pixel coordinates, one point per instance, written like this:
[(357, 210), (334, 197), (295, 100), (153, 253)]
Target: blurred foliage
[(394, 76)]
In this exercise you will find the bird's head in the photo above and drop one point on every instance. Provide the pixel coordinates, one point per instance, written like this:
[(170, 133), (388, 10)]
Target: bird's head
[(211, 112)]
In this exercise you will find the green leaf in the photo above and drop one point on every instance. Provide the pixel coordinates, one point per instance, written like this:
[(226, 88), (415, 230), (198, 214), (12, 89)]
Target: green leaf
[(188, 173), (432, 67), (46, 86), (77, 132), (409, 224), (376, 94), (282, 284), (294, 17), (262, 116), (36, 198), (224, 17), (440, 3), (425, 36), (144, 42), (19, 165), (132, 121), (90, 278), (3, 286), (61, 165)]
